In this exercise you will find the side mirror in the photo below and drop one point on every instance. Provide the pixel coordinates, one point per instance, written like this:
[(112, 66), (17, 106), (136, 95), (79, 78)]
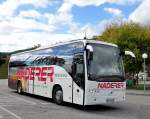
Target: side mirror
[(134, 61), (130, 53), (89, 50)]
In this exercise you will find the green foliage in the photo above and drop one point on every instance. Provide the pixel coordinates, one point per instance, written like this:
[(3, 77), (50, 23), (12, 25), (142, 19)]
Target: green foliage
[(4, 57), (129, 36), (129, 83), (139, 87), (3, 70), (2, 61)]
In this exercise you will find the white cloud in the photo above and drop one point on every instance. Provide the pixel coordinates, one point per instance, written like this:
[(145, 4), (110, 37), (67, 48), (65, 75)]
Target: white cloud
[(65, 7), (19, 38), (83, 3), (30, 13), (141, 14), (90, 29), (59, 18), (35, 3), (123, 2), (114, 11), (63, 17), (16, 32), (25, 40), (8, 7), (19, 24)]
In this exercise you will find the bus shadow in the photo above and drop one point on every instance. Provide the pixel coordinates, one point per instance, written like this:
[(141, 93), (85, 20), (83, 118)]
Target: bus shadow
[(35, 97), (92, 108), (88, 108)]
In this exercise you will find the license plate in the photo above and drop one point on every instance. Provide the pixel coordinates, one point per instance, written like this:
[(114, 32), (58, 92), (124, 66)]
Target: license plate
[(110, 100)]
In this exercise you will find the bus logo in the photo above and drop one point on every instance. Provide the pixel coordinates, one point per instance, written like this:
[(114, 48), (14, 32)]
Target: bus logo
[(29, 73), (111, 85)]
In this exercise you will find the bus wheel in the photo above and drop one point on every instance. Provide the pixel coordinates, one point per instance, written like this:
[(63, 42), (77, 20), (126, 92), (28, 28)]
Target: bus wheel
[(19, 88), (58, 95)]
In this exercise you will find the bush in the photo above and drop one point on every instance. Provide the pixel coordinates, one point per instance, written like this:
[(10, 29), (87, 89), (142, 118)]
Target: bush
[(129, 83), (4, 70)]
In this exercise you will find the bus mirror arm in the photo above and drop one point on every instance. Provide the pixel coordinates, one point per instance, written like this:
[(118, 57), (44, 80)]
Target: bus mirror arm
[(122, 53), (130, 53), (74, 68), (133, 57)]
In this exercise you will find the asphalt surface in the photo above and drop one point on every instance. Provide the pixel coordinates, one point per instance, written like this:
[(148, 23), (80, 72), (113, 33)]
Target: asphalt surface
[(15, 106)]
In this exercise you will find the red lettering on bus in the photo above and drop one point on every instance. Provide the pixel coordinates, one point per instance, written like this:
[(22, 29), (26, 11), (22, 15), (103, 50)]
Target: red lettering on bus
[(120, 85), (38, 74), (20, 74), (27, 73), (42, 73), (107, 85), (32, 69), (51, 73)]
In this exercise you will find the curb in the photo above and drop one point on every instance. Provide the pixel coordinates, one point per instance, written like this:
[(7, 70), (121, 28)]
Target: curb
[(143, 94)]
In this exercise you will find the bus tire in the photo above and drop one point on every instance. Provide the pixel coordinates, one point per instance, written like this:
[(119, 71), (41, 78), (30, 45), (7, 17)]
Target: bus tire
[(58, 95), (19, 88)]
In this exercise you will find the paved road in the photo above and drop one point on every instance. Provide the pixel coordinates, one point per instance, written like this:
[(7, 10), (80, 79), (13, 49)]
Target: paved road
[(14, 106)]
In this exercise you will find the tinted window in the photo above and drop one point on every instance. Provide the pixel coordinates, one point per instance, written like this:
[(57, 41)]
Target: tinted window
[(65, 57), (18, 60), (79, 69), (43, 57)]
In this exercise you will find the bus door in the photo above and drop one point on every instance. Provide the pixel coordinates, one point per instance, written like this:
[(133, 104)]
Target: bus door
[(31, 81), (41, 82), (38, 84), (78, 79), (46, 80)]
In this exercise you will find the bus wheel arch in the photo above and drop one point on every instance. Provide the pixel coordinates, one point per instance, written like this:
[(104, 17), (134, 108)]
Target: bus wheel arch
[(19, 87), (57, 94)]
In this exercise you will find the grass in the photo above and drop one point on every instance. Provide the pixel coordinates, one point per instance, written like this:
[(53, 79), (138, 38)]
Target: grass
[(140, 87), (4, 71)]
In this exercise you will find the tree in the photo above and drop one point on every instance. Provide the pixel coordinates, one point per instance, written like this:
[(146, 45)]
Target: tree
[(2, 58), (129, 36)]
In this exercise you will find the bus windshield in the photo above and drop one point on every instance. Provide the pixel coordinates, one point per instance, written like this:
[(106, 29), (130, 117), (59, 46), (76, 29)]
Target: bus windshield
[(106, 64)]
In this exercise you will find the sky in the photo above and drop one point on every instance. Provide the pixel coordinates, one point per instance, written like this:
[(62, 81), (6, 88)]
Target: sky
[(26, 23)]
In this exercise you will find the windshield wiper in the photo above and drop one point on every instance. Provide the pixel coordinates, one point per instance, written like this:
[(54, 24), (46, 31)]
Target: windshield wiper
[(92, 76), (104, 77), (111, 76)]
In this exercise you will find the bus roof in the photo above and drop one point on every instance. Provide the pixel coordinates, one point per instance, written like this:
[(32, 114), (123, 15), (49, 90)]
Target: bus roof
[(68, 42)]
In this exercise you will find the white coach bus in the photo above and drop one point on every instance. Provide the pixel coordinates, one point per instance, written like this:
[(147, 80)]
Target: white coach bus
[(84, 72)]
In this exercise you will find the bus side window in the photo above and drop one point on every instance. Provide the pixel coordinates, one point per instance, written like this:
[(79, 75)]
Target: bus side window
[(78, 70)]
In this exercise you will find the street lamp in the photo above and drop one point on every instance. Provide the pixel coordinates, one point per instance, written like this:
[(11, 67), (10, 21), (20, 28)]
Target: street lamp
[(144, 56)]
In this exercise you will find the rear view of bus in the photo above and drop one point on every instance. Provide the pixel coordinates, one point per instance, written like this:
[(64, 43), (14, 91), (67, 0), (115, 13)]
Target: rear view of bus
[(105, 75)]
